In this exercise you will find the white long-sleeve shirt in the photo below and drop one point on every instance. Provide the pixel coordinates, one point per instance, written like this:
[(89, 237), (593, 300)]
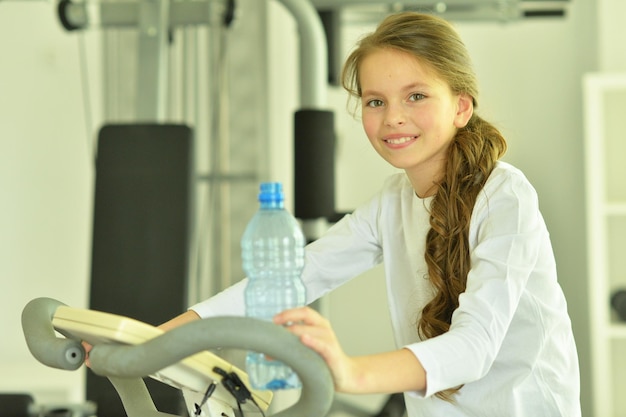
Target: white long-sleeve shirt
[(510, 342)]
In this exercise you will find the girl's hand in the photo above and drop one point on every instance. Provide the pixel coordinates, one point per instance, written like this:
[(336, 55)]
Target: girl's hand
[(316, 333), (87, 348)]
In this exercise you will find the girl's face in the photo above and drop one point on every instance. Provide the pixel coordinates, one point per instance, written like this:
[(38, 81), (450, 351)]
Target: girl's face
[(410, 115)]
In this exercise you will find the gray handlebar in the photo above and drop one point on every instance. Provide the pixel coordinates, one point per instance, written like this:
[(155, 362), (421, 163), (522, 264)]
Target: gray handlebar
[(42, 341), (121, 361), (225, 332)]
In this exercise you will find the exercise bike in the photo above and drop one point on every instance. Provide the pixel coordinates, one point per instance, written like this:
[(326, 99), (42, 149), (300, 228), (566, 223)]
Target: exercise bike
[(126, 351)]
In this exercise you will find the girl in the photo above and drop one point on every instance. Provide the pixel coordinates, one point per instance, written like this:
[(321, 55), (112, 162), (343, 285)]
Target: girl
[(479, 319)]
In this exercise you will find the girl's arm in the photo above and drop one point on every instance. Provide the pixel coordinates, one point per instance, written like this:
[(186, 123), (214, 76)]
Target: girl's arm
[(179, 320), (389, 372)]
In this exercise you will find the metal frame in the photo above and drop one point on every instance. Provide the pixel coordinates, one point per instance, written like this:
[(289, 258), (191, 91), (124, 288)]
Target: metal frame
[(154, 19)]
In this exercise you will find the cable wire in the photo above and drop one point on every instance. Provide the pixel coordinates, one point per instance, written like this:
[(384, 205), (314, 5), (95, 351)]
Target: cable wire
[(236, 387), (210, 210), (209, 391)]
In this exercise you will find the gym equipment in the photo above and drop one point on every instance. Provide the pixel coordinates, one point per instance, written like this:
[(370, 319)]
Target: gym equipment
[(126, 350), (142, 226)]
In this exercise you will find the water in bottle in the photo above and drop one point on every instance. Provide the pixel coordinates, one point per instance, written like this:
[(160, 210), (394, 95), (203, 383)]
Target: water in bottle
[(272, 251)]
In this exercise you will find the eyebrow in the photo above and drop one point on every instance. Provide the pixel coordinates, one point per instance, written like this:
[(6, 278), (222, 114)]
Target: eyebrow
[(408, 87)]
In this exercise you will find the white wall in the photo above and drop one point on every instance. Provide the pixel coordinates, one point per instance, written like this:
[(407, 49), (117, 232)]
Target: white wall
[(612, 36), (530, 73), (45, 186)]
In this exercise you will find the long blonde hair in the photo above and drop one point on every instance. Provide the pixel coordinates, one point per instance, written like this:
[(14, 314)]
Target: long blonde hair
[(472, 156)]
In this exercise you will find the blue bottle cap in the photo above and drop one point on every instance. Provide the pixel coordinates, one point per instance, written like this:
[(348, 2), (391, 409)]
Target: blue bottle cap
[(271, 192)]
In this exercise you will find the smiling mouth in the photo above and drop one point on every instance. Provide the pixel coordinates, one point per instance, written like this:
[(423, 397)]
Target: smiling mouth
[(399, 141)]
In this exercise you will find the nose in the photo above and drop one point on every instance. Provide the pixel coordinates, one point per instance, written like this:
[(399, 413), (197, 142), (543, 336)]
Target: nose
[(395, 116)]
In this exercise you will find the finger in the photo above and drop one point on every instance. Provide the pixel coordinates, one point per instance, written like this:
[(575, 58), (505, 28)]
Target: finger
[(330, 352), (297, 315), (314, 343), (87, 348), (318, 332)]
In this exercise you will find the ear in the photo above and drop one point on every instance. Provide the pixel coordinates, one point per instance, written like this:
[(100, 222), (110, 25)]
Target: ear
[(465, 109)]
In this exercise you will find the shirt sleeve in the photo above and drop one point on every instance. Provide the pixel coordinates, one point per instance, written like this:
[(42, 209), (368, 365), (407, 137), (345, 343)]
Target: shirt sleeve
[(347, 249), (506, 233), (229, 302)]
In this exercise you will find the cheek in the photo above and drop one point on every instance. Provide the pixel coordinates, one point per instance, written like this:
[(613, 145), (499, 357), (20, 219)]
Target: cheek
[(370, 126)]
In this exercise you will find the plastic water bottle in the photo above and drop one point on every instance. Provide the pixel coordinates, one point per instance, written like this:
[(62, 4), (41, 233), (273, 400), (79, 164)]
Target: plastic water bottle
[(272, 250)]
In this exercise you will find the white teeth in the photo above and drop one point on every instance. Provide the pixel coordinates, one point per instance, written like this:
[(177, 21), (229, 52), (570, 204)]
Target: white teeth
[(398, 141)]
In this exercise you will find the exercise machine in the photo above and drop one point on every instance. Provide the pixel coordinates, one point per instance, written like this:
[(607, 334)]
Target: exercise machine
[(126, 350)]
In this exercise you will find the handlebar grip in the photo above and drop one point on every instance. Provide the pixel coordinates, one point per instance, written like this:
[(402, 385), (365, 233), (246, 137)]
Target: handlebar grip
[(44, 345)]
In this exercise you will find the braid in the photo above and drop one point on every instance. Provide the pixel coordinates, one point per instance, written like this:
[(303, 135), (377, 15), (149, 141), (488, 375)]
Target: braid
[(471, 158)]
